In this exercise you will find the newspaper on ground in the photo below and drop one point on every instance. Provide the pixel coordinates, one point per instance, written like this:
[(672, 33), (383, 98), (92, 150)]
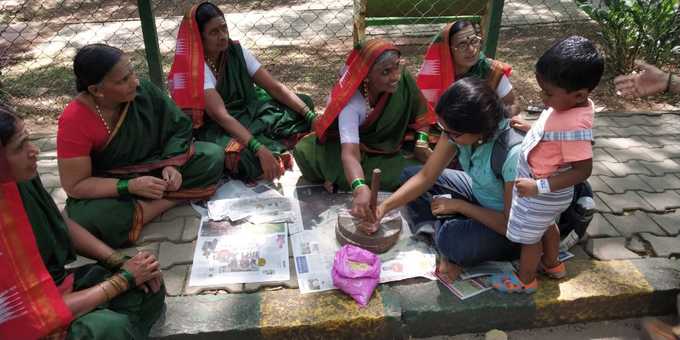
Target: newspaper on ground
[(314, 244), (237, 189), (564, 255), (256, 209), (229, 253), (487, 268), (465, 289)]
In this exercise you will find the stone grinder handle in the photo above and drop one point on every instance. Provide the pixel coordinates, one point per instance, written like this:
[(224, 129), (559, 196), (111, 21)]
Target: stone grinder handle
[(375, 187)]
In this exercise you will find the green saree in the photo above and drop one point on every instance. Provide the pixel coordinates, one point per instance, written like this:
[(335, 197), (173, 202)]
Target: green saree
[(128, 316), (272, 123), (151, 134), (381, 142)]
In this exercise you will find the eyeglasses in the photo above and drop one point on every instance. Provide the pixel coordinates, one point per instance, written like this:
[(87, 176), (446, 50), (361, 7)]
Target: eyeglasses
[(473, 41), (452, 134)]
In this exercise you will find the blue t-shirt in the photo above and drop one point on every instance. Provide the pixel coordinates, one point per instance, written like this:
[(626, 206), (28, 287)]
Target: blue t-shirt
[(487, 189)]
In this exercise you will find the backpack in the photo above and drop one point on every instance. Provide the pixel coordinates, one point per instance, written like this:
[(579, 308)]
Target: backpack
[(506, 140)]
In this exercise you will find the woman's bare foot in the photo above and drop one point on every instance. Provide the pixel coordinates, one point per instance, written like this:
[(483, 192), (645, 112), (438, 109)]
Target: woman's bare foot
[(448, 270), (328, 185)]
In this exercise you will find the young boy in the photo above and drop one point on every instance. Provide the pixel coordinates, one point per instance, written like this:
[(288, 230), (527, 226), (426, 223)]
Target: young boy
[(556, 154)]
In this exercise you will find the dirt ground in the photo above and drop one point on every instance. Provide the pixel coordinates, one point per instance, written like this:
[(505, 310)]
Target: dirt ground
[(313, 70)]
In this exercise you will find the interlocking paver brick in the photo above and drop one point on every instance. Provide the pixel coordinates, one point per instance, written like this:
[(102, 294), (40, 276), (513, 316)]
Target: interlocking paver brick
[(80, 261), (632, 120), (623, 184), (663, 246), (661, 130), (48, 166), (670, 222), (149, 247), (599, 168), (626, 168), (612, 248), (52, 154), (664, 167), (602, 132), (600, 227), (662, 183), (601, 155), (598, 185), (630, 200), (662, 201), (670, 151), (184, 210), (605, 121), (48, 144), (162, 231), (172, 254), (191, 226), (638, 153), (620, 143), (637, 222), (661, 140), (635, 244), (174, 279), (629, 131), (600, 205)]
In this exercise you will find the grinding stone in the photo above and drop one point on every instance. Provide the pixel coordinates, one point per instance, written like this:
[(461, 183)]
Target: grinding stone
[(347, 232)]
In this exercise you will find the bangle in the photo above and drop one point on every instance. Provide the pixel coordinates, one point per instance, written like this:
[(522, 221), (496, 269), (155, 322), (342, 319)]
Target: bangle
[(543, 186), (254, 145), (106, 293), (422, 137), (310, 116), (668, 83), (358, 183), (122, 187), (128, 277), (114, 261)]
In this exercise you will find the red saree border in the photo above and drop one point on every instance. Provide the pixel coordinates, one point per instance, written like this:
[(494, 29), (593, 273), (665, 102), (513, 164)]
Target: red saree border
[(142, 168)]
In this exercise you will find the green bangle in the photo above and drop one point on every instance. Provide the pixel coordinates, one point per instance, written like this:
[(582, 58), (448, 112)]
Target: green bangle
[(357, 183), (128, 277), (122, 187), (422, 136), (254, 145), (310, 116)]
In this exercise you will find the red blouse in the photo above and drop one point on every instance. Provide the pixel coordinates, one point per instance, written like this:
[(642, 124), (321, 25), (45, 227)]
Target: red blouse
[(80, 132)]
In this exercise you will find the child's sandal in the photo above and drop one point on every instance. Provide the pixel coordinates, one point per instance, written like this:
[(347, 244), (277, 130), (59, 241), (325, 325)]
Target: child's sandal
[(557, 272), (510, 283)]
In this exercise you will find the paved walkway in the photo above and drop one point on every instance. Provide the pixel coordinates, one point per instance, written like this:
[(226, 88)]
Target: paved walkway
[(635, 180)]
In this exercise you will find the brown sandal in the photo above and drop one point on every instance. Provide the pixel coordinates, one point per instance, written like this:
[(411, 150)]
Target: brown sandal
[(655, 329)]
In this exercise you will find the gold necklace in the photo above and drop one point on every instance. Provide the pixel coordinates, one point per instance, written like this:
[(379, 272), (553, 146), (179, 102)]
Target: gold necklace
[(213, 65), (364, 91), (99, 113)]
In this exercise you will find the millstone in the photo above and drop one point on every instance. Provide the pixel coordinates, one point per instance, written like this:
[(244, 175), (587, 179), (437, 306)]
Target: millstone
[(348, 232)]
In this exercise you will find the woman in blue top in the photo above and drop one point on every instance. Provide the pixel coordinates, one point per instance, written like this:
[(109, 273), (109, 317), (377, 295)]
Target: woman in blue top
[(468, 228)]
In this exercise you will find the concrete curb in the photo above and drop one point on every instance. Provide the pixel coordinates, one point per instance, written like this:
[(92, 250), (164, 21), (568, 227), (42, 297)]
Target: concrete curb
[(594, 290)]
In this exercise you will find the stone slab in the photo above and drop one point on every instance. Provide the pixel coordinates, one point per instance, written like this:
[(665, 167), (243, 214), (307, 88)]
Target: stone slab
[(234, 288), (623, 184), (667, 166), (170, 230), (184, 210), (600, 227), (191, 227), (172, 254), (613, 248), (662, 201), (627, 168), (174, 279), (632, 223), (598, 185), (619, 203), (669, 222), (662, 183), (663, 246)]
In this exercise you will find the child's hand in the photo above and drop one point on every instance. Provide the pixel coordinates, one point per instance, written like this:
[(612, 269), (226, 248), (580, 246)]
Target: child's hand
[(520, 124), (445, 206), (526, 187)]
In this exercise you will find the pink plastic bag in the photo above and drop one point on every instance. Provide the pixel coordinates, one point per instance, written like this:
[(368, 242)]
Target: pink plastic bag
[(356, 272)]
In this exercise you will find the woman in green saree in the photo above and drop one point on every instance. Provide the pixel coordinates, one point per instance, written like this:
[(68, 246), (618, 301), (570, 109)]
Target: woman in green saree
[(372, 108), (125, 150), (233, 101), (116, 298)]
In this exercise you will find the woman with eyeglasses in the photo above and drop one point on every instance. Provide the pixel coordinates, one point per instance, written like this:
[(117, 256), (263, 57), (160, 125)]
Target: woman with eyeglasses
[(469, 226), (372, 108), (455, 53), (234, 101), (125, 150)]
